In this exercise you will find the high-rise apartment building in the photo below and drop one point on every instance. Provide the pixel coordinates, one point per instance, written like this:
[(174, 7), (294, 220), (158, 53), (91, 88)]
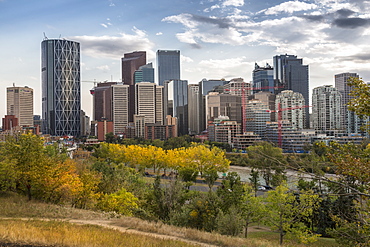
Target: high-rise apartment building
[(168, 65), (257, 114), (61, 96), (268, 99), (131, 62), (291, 74), (291, 105), (238, 86), (326, 108), (350, 120), (263, 79), (19, 102)]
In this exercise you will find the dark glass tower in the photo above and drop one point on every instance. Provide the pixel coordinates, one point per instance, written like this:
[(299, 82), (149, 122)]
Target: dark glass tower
[(291, 74), (168, 64), (61, 98), (263, 79)]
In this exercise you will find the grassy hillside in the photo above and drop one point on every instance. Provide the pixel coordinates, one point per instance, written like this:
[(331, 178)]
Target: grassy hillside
[(40, 224)]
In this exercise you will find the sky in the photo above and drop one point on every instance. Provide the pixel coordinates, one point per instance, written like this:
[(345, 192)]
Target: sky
[(217, 38)]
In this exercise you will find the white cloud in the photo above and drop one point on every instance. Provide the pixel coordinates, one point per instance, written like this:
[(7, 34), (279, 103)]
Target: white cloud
[(216, 6), (104, 68), (235, 3), (159, 33), (185, 59), (289, 7), (114, 47), (104, 25)]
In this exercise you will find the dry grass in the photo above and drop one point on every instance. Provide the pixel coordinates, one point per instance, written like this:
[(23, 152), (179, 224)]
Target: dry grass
[(65, 234), (13, 205), (191, 234)]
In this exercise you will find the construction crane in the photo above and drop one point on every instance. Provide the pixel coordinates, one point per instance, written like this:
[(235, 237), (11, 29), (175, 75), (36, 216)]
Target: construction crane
[(243, 90), (280, 112)]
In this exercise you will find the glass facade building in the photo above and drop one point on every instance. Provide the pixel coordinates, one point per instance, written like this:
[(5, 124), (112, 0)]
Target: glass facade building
[(263, 79), (177, 90), (61, 96), (168, 64), (291, 74)]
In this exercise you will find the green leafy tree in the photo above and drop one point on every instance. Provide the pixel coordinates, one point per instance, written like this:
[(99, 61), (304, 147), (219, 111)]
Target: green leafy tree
[(288, 212), (360, 97), (254, 181), (269, 160), (27, 154), (253, 209)]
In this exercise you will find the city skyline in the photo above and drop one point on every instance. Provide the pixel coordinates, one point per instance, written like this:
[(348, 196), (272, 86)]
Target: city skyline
[(217, 39)]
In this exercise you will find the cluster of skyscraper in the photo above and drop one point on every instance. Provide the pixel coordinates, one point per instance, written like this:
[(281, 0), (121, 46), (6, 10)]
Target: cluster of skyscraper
[(274, 106)]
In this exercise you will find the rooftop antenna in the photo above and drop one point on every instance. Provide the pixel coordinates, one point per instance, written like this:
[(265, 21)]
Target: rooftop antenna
[(45, 38), (60, 36)]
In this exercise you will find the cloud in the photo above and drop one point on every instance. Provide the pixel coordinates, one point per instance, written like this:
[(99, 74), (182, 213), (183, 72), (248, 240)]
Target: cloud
[(289, 7), (159, 33), (315, 18), (221, 23), (103, 68), (104, 25), (344, 12), (359, 58), (223, 68), (351, 23), (235, 3), (113, 47), (216, 6), (185, 59)]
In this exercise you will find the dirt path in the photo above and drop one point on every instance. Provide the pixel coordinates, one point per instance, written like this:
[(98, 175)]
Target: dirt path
[(111, 225)]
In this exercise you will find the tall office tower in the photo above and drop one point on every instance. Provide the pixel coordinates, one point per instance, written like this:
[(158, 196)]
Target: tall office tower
[(103, 101), (145, 101), (131, 62), (19, 102), (144, 73), (177, 91), (223, 105), (120, 110), (159, 104), (349, 120), (263, 79), (326, 108), (193, 109), (291, 105), (111, 104), (206, 86), (257, 114), (168, 65), (61, 86), (291, 74)]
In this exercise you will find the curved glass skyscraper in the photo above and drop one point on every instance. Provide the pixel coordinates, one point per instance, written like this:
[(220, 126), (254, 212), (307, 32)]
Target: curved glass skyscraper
[(61, 97)]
